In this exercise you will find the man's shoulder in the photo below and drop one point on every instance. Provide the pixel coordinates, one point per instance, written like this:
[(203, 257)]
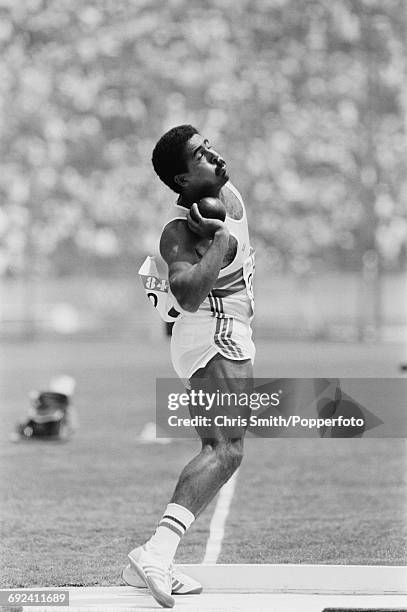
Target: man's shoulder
[(174, 227), (176, 234)]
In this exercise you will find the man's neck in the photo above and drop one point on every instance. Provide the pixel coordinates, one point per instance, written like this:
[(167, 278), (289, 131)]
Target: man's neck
[(187, 198)]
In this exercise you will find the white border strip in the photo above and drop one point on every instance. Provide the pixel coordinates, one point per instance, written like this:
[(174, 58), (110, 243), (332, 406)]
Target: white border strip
[(291, 578), (218, 521)]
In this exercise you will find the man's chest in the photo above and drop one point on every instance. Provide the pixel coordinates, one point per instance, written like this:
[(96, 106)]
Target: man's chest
[(234, 210), (231, 202)]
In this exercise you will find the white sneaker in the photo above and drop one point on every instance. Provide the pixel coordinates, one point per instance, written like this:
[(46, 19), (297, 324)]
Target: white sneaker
[(155, 576), (181, 584)]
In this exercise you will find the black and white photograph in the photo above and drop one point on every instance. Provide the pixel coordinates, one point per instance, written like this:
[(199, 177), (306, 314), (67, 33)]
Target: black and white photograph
[(203, 305)]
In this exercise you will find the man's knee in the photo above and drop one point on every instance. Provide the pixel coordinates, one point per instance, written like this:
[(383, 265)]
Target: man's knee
[(230, 454)]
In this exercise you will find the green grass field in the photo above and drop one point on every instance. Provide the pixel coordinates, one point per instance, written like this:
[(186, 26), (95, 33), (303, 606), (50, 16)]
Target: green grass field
[(70, 512)]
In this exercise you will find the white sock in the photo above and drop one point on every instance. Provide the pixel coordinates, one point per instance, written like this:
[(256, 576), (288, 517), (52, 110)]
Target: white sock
[(173, 525)]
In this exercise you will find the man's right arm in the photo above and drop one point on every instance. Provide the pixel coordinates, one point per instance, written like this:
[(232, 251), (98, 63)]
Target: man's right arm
[(191, 278)]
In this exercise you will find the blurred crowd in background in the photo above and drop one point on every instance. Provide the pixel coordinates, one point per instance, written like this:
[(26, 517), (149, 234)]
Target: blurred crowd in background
[(305, 99)]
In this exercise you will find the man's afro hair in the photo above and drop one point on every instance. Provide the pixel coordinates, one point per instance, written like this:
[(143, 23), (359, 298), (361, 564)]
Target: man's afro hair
[(169, 154)]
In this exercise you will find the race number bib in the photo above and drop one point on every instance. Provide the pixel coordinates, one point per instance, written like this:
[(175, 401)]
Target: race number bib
[(157, 290), (248, 275)]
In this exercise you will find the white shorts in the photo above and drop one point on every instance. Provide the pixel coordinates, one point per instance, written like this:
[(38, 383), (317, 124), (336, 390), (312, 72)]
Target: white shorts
[(219, 326)]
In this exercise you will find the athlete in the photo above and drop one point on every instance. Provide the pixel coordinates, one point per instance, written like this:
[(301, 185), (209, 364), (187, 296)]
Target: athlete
[(210, 273)]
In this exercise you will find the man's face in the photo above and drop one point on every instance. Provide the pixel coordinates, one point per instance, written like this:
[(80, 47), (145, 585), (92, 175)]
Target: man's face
[(206, 168)]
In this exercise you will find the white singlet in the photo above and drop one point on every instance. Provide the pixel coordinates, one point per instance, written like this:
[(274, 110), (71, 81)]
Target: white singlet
[(222, 322)]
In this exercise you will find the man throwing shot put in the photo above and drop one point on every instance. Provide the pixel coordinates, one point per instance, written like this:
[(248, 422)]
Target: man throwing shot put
[(210, 271)]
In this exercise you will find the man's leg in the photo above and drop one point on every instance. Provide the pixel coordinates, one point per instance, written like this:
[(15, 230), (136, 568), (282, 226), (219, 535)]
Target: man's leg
[(220, 456)]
